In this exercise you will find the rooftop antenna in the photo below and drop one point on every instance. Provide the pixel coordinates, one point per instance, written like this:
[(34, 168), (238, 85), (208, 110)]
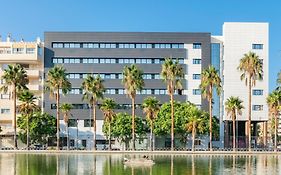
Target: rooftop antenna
[(9, 37), (38, 40)]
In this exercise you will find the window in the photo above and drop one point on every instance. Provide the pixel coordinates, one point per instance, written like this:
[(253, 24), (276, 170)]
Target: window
[(143, 61), (77, 60), (18, 50), (115, 60), (181, 61), (157, 76), (57, 45), (71, 60), (72, 122), (257, 92), (90, 45), (88, 122), (196, 92), (87, 45), (30, 50), (84, 143), (162, 91), (197, 142), (5, 96), (102, 45), (72, 143), (156, 61), (121, 91), (175, 46), (196, 45), (5, 111), (257, 46), (196, 61), (66, 60), (84, 60), (94, 60), (60, 61), (257, 107), (53, 106), (196, 76)]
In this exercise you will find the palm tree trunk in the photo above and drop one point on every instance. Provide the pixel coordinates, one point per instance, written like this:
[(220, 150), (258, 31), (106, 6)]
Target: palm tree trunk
[(58, 119), (249, 114), (109, 136), (210, 165), (234, 133), (94, 126), (210, 119), (27, 133), (193, 136), (15, 117), (172, 165), (172, 118), (67, 135), (151, 137), (275, 132), (133, 123), (193, 172)]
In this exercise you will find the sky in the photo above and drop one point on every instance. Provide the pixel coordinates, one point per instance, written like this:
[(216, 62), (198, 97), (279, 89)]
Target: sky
[(29, 19)]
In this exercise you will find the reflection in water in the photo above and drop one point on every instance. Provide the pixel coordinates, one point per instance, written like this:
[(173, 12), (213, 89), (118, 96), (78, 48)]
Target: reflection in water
[(34, 164)]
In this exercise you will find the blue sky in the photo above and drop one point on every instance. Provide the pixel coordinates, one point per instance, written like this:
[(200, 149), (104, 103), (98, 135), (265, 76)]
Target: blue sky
[(30, 18)]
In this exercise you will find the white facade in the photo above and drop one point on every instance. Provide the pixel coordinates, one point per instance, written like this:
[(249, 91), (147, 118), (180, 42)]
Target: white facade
[(238, 39), (193, 84)]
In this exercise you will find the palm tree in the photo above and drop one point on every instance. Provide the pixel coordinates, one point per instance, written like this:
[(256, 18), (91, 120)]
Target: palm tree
[(133, 82), (233, 107), (172, 73), (57, 83), (210, 80), (151, 107), (93, 91), (274, 101), (66, 108), (195, 122), (251, 67), (27, 108), (15, 80), (107, 108)]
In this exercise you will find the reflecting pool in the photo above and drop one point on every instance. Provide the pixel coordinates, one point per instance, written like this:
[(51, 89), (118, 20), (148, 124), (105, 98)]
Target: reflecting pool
[(112, 164)]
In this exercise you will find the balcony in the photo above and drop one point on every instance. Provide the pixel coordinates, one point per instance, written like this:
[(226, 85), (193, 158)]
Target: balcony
[(34, 87), (33, 73), (19, 52)]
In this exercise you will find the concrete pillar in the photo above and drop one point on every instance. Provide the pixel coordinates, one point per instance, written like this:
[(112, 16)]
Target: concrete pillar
[(246, 134), (265, 134), (226, 135)]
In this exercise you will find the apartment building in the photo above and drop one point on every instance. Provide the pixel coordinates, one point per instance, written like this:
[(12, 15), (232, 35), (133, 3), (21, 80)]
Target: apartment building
[(106, 54), (30, 56), (237, 39)]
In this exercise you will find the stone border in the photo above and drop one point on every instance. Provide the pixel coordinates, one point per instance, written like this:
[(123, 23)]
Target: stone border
[(141, 152)]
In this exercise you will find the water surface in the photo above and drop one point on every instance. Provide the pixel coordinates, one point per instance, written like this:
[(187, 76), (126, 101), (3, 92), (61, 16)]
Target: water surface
[(87, 164)]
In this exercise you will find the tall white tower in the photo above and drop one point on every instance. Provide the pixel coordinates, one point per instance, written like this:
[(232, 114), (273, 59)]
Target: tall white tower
[(238, 39)]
